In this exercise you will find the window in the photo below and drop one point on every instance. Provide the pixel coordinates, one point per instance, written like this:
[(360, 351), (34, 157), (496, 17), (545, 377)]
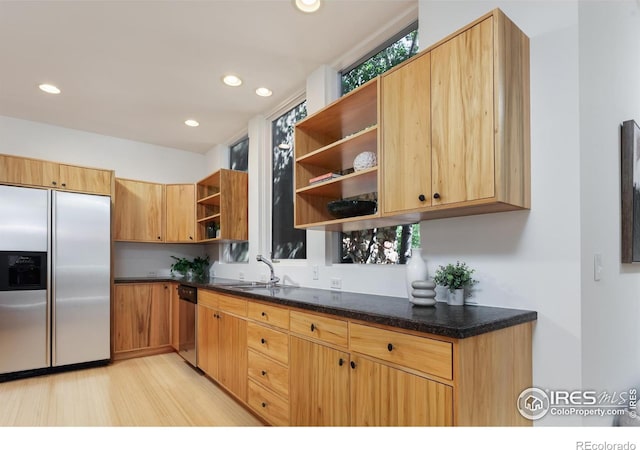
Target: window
[(238, 160), (389, 245), (287, 241)]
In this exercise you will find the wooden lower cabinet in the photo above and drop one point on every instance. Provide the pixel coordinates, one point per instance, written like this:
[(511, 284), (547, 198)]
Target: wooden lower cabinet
[(384, 396), (208, 340), (319, 386), (232, 359), (142, 318), (175, 316)]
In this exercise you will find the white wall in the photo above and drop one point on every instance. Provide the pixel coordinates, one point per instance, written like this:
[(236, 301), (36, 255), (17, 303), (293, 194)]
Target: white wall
[(130, 159), (529, 259), (609, 95)]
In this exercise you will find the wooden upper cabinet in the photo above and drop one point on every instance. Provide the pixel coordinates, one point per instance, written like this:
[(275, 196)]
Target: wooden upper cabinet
[(139, 211), (463, 119), (222, 206), (406, 136), (180, 206), (35, 172), (95, 181)]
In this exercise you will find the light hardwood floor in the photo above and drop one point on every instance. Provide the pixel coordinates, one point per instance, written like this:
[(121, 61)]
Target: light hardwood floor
[(159, 390)]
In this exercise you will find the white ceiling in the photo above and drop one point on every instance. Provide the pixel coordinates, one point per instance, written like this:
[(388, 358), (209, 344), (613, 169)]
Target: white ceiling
[(138, 69)]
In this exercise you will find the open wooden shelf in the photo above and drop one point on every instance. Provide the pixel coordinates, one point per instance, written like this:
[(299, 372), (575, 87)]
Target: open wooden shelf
[(354, 184), (213, 200)]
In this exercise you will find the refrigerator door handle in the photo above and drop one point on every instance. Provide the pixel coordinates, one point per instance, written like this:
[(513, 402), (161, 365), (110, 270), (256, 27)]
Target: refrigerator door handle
[(51, 283)]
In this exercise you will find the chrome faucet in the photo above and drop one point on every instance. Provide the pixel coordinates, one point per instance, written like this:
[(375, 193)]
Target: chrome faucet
[(274, 279)]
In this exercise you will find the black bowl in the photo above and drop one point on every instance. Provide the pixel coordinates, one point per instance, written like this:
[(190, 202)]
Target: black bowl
[(341, 209)]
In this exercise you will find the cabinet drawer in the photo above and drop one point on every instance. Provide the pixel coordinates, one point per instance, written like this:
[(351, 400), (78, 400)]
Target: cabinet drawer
[(419, 353), (272, 408), (233, 305), (208, 299), (273, 315), (269, 373), (332, 331), (268, 341)]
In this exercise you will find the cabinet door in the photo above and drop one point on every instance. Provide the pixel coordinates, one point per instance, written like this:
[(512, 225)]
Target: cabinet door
[(139, 211), (233, 355), (384, 396), (181, 203), (82, 179), (208, 340), (141, 316), (30, 172), (406, 136), (462, 117), (319, 394)]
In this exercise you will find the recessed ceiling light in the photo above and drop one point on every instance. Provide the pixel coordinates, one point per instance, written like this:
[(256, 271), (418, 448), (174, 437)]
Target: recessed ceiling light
[(308, 6), (191, 123), (49, 88), (264, 92), (232, 80)]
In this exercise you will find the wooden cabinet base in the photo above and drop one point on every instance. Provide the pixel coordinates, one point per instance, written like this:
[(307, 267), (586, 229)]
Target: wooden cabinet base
[(118, 356)]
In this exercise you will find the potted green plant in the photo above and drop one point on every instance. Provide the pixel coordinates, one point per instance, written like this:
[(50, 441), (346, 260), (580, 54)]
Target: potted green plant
[(191, 268), (455, 277), (181, 266), (200, 267)]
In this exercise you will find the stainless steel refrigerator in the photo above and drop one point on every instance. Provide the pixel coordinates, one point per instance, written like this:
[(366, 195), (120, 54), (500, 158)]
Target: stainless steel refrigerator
[(55, 265)]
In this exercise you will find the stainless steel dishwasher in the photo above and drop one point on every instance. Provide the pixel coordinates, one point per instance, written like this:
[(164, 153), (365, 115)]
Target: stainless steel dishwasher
[(187, 341)]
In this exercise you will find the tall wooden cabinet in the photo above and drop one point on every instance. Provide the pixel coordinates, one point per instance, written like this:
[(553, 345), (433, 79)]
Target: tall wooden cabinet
[(139, 211)]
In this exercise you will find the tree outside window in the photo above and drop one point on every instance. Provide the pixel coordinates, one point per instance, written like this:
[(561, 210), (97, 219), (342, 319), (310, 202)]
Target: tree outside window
[(238, 160)]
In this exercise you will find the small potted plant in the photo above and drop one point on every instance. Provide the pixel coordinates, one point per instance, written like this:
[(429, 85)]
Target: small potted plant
[(455, 277), (181, 266), (196, 268)]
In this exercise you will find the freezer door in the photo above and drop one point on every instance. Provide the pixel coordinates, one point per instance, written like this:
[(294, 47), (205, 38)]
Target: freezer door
[(24, 219), (23, 331), (81, 278)]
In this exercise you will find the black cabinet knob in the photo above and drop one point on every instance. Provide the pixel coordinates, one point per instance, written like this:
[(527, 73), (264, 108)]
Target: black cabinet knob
[(159, 238), (64, 184), (421, 197), (191, 238), (263, 314), (353, 365), (54, 183), (389, 346), (264, 372), (340, 362), (436, 195), (313, 327), (264, 405), (263, 341)]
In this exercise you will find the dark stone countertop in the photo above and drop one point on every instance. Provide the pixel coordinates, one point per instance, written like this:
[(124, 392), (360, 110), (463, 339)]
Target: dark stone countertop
[(441, 319)]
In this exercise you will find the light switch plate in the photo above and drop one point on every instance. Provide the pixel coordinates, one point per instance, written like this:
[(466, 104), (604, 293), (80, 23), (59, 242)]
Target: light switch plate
[(336, 283), (597, 266)]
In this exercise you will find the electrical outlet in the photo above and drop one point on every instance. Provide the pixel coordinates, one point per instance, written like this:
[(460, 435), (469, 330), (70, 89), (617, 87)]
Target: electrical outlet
[(316, 272), (336, 283), (241, 275), (597, 266)]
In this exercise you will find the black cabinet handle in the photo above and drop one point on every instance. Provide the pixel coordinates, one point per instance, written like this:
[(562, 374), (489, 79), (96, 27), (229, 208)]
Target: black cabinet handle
[(389, 346), (353, 365), (264, 372), (313, 327), (64, 184), (54, 183), (263, 341), (421, 197), (191, 238), (436, 195), (159, 238), (264, 405), (263, 314), (340, 362)]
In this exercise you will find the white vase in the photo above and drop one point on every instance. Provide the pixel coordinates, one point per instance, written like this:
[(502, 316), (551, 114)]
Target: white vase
[(416, 269), (456, 298)]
